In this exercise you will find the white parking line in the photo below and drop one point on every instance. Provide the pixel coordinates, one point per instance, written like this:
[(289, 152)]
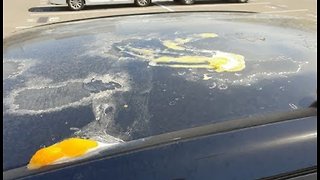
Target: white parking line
[(31, 20), (286, 11), (243, 4), (54, 19), (271, 6), (235, 4), (164, 7), (23, 27), (282, 5)]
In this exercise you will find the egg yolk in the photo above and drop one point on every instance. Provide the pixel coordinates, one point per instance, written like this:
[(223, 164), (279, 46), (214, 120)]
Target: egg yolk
[(69, 148)]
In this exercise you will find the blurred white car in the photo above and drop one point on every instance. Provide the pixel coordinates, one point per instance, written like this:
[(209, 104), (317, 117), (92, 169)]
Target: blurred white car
[(77, 5)]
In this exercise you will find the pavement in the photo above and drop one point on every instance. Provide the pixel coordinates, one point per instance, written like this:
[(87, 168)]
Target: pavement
[(19, 15)]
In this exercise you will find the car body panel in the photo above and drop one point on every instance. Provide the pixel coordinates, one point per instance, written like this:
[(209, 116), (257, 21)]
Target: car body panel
[(251, 153), (99, 2), (58, 2), (75, 79), (93, 2)]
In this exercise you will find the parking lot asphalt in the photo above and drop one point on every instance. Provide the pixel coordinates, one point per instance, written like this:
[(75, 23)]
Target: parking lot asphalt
[(21, 15)]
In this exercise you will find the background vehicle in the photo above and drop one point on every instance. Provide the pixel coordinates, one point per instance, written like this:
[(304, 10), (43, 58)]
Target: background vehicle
[(77, 5), (126, 78), (189, 2)]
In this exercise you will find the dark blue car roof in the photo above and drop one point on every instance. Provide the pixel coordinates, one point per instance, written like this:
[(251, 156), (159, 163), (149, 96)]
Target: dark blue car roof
[(95, 79)]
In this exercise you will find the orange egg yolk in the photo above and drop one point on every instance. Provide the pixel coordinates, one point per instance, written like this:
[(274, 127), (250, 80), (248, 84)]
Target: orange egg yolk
[(69, 148)]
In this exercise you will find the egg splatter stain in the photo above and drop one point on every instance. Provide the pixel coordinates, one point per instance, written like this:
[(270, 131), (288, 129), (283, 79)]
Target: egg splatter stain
[(68, 149)]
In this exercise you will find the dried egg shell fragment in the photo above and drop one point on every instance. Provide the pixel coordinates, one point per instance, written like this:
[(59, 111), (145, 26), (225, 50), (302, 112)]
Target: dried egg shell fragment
[(68, 149)]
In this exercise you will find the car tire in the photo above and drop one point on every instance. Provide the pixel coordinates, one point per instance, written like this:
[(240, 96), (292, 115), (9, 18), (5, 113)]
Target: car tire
[(187, 2), (176, 1), (239, 1), (142, 3), (75, 5)]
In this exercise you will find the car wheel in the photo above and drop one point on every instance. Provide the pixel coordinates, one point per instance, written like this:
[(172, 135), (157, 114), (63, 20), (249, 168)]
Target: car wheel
[(187, 2), (75, 5), (238, 1), (142, 3)]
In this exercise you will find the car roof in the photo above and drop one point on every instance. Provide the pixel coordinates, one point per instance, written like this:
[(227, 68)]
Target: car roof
[(75, 79)]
